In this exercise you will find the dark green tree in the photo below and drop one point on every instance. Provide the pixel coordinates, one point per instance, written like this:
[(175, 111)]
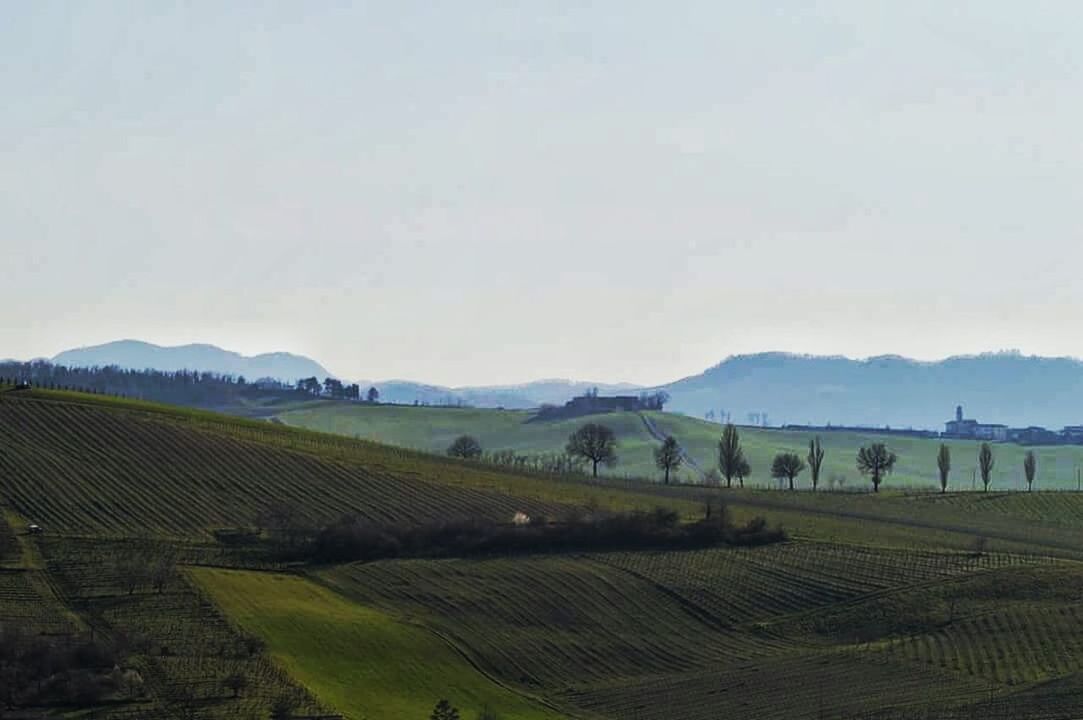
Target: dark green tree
[(373, 395), (788, 466), (876, 461), (668, 457), (815, 460), (943, 465), (730, 454), (465, 446), (236, 683), (444, 711), (743, 471), (1030, 468), (595, 443), (986, 462)]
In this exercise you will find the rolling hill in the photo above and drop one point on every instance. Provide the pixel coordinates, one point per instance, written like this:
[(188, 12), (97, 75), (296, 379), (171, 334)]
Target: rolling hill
[(433, 429), (903, 604)]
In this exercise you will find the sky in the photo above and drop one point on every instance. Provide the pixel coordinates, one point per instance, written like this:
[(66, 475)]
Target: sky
[(492, 192)]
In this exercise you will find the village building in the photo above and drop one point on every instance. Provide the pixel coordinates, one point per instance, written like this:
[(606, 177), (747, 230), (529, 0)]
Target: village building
[(968, 429)]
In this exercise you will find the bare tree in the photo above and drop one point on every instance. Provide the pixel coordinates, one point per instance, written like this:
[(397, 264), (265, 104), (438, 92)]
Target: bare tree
[(1030, 468), (986, 462), (730, 454), (815, 459), (875, 461), (465, 446), (787, 465), (668, 457), (595, 443), (943, 464)]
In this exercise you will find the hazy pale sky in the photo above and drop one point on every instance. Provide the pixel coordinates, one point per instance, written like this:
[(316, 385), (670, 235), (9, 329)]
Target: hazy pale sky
[(483, 192)]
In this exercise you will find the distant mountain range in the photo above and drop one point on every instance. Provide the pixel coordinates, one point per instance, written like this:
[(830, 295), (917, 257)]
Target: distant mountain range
[(1004, 387), (139, 355)]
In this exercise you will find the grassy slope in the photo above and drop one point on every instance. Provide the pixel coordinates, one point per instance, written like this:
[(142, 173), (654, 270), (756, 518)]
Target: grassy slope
[(363, 662), (917, 456), (432, 429), (652, 635), (720, 633)]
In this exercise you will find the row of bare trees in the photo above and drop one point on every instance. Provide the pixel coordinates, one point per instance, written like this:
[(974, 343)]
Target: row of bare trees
[(875, 460), (596, 445), (986, 463)]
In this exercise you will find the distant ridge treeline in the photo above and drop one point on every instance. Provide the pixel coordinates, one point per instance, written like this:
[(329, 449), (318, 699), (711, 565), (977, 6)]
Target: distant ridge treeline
[(182, 387)]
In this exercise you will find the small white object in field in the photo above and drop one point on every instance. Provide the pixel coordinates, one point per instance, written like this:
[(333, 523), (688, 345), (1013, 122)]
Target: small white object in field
[(520, 518)]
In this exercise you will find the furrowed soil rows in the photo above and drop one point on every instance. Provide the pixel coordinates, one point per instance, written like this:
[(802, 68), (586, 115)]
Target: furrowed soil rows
[(741, 585), (826, 685), (550, 622), (79, 469)]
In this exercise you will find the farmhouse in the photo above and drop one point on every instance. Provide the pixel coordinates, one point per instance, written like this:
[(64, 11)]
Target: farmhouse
[(591, 403)]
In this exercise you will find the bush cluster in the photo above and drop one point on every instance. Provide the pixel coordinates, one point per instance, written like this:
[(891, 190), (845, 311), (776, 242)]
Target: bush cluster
[(38, 670), (353, 538)]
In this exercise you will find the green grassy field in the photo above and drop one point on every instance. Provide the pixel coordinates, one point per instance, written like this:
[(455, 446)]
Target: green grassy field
[(433, 429), (903, 604), (363, 662)]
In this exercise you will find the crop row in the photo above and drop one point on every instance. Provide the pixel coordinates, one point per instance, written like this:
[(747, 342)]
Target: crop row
[(24, 606), (761, 583), (82, 469), (795, 687), (551, 622), (1014, 646)]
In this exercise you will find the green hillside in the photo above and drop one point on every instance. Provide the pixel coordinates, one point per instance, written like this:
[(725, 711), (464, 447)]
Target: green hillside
[(433, 429), (363, 662), (906, 604)]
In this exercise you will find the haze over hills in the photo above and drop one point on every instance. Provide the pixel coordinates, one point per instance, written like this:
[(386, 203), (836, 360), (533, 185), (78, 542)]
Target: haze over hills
[(1002, 387), (288, 367), (139, 355)]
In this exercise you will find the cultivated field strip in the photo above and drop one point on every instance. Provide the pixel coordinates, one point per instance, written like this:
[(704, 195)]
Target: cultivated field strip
[(25, 606), (550, 622), (792, 687), (80, 469), (10, 550), (1064, 509), (1014, 646), (743, 585), (184, 647)]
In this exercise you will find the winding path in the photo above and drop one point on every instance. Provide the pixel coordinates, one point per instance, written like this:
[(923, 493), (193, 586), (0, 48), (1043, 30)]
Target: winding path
[(656, 433)]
